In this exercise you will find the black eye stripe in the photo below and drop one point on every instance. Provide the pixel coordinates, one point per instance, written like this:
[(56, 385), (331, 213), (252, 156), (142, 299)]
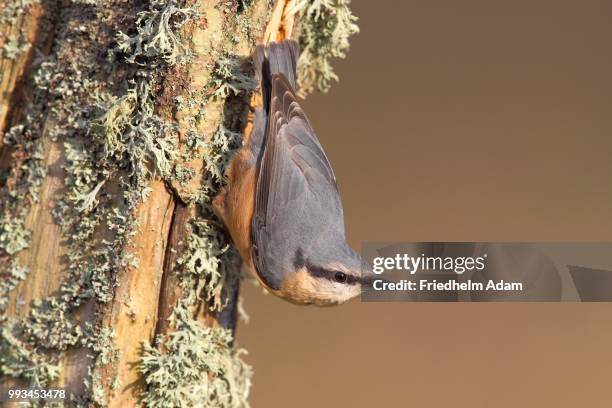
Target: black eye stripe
[(317, 271), (330, 274), (351, 280)]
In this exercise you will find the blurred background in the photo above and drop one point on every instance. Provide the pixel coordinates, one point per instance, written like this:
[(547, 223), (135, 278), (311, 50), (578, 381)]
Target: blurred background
[(457, 121)]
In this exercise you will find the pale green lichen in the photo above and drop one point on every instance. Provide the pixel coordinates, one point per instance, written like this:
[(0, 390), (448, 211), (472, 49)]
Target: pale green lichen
[(198, 367), (113, 140), (61, 111), (183, 174), (13, 236), (194, 365), (326, 26), (49, 326), (19, 360), (19, 356), (14, 47), (98, 393), (15, 274), (202, 264), (219, 149), (11, 10), (228, 78), (103, 344), (131, 133), (157, 33)]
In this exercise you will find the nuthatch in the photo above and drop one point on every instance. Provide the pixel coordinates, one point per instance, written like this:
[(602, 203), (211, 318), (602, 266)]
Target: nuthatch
[(281, 204)]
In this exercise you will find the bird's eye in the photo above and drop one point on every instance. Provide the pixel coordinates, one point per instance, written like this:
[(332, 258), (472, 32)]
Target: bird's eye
[(340, 277)]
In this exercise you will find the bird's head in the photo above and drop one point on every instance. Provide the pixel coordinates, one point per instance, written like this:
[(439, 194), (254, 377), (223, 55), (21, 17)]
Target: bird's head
[(323, 281)]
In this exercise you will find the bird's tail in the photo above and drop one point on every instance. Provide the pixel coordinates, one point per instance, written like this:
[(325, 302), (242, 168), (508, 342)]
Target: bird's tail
[(276, 58)]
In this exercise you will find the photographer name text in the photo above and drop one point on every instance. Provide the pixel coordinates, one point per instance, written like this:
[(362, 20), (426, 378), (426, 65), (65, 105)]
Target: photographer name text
[(451, 285)]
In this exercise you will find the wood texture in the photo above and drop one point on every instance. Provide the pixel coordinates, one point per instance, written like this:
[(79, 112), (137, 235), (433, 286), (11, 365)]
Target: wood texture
[(44, 255), (12, 69), (147, 290), (133, 311)]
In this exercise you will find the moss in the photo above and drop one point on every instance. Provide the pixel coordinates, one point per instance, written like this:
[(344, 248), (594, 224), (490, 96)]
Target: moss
[(326, 26)]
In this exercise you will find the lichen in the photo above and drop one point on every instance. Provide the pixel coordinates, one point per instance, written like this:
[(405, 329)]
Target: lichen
[(14, 274), (102, 109), (195, 365), (157, 33), (326, 26), (14, 47), (11, 10), (20, 189), (203, 264), (198, 367), (219, 150), (13, 236), (228, 78), (131, 133), (62, 112), (20, 356), (102, 343), (19, 360)]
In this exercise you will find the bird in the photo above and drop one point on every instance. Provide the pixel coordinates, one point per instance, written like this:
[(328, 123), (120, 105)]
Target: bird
[(281, 204)]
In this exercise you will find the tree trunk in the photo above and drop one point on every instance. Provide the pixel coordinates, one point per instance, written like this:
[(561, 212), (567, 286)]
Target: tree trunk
[(118, 119)]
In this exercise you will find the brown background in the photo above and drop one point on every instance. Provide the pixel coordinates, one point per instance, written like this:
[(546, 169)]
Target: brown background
[(457, 120)]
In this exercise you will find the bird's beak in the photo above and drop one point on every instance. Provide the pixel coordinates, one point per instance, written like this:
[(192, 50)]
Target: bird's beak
[(368, 279)]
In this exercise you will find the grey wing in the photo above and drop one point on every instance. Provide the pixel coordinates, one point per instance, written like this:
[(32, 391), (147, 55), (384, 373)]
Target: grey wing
[(297, 201)]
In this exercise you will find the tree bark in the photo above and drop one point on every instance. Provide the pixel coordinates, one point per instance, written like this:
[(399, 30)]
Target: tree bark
[(115, 134), (117, 120)]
